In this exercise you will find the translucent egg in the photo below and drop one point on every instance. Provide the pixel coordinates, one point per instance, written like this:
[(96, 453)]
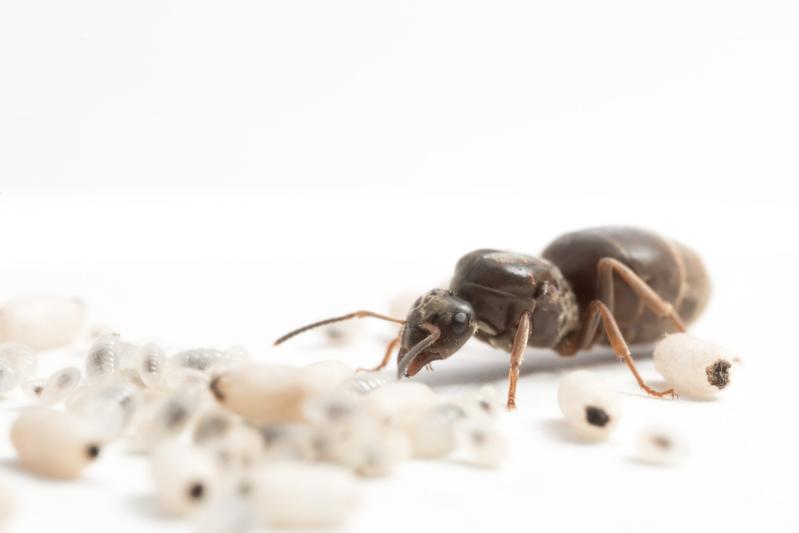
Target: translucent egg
[(109, 408), (206, 359), (362, 383)]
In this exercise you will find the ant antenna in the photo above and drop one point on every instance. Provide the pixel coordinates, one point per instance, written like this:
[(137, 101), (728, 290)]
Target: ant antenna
[(356, 314)]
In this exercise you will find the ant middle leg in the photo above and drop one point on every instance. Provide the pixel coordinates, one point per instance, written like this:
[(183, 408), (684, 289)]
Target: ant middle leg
[(386, 357), (605, 269), (597, 311)]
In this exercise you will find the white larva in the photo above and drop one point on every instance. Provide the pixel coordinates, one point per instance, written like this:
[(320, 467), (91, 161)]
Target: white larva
[(206, 359), (42, 322), (481, 443), (22, 356), (9, 375), (660, 446), (185, 477), (591, 408), (151, 362), (34, 433), (694, 366), (432, 432), (60, 385), (296, 495), (104, 357)]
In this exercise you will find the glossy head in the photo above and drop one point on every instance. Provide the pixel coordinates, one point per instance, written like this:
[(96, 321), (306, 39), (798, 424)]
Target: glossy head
[(438, 324)]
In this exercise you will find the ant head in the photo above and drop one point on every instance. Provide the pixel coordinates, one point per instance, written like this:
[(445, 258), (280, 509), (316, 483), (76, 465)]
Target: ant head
[(438, 324)]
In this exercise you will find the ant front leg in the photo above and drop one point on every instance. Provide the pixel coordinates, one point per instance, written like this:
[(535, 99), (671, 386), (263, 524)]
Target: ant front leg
[(608, 265), (523, 331), (585, 339), (387, 356)]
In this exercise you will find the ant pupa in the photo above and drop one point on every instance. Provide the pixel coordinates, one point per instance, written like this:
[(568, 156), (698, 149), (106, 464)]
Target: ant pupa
[(297, 495), (35, 431), (60, 385), (695, 367), (42, 322), (185, 477), (151, 362), (591, 408), (104, 356)]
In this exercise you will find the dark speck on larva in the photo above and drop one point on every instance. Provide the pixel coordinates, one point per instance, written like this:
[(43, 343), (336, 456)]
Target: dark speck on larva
[(596, 416), (718, 374)]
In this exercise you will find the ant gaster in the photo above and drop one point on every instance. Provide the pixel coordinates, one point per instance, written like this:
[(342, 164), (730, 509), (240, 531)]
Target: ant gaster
[(556, 301)]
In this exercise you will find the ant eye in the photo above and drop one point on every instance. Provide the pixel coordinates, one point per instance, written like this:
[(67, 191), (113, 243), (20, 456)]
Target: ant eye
[(459, 322)]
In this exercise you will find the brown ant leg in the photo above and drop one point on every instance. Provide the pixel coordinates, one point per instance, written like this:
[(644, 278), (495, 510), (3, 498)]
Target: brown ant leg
[(656, 304), (597, 310), (387, 357), (523, 331)]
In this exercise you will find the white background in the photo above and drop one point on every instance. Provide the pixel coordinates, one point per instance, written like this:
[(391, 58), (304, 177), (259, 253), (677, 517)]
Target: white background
[(210, 173)]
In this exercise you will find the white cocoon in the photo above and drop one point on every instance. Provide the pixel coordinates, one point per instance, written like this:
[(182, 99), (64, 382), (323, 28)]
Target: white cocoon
[(54, 444), (185, 477), (591, 408), (694, 366), (294, 495), (42, 322)]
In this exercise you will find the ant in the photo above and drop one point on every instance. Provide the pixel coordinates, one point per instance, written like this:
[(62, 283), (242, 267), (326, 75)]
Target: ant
[(556, 301)]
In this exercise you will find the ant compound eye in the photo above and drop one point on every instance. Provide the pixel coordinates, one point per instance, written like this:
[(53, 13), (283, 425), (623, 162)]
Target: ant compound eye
[(459, 322)]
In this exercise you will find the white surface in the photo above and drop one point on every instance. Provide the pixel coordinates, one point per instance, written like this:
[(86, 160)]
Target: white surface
[(210, 174)]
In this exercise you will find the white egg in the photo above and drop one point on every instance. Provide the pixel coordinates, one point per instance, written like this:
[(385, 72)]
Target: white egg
[(297, 495), (185, 477), (662, 446), (694, 366), (36, 431), (42, 322), (591, 408)]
